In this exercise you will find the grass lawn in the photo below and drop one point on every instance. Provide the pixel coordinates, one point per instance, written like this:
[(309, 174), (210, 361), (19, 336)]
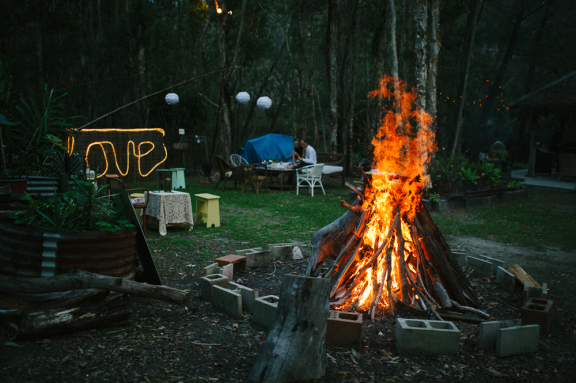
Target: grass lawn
[(546, 219)]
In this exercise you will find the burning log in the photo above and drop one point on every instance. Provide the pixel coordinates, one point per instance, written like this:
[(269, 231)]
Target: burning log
[(295, 349), (331, 239), (411, 266)]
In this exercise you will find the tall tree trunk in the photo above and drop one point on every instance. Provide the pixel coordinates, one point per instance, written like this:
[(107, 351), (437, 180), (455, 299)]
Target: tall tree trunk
[(405, 51), (140, 34), (332, 69), (420, 23), (530, 77), (347, 72), (468, 44), (380, 53), (433, 61), (352, 76), (494, 89)]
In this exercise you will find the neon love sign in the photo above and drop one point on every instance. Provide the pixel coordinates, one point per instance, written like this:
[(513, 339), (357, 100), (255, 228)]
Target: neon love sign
[(136, 150)]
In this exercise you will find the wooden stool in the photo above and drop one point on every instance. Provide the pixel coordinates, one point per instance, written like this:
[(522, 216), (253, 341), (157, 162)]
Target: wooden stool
[(240, 262), (208, 209)]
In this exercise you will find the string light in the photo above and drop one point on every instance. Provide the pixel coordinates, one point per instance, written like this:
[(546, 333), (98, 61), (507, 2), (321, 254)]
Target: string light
[(138, 155)]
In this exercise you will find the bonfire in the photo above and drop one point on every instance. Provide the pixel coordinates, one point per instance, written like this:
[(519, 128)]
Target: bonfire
[(389, 253)]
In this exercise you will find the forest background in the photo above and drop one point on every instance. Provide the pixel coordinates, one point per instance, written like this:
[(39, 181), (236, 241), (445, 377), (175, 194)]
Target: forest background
[(316, 60)]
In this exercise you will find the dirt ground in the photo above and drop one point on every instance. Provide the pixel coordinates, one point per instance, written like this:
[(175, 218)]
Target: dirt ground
[(168, 343)]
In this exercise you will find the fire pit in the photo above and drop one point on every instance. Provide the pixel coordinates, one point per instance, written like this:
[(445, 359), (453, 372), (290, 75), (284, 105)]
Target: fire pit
[(389, 253)]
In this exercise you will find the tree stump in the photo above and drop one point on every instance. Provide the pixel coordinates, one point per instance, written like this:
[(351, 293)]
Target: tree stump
[(295, 349)]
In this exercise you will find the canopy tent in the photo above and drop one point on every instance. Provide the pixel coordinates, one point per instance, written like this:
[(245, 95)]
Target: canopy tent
[(267, 147)]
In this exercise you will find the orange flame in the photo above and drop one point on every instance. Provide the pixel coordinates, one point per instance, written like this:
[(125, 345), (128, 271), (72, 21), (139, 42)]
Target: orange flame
[(402, 148)]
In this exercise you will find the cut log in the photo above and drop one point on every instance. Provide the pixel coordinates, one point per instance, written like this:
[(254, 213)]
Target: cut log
[(328, 241), (522, 276), (79, 279), (111, 312), (295, 349)]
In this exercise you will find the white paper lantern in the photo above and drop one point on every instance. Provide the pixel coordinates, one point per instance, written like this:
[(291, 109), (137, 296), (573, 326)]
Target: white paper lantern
[(243, 97), (264, 102), (172, 99)]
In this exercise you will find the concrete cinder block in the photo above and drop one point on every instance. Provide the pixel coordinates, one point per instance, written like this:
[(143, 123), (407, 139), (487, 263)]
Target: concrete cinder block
[(482, 268), (271, 246), (426, 337), (495, 262), (207, 282), (227, 300), (282, 253), (538, 311), (517, 340), (489, 332), (259, 259), (535, 292), (248, 296), (265, 309), (343, 329), (239, 261), (459, 257), (212, 269), (505, 279), (228, 271), (244, 251)]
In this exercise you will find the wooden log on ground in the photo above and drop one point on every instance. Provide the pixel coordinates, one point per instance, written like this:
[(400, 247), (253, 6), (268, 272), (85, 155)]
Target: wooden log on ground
[(295, 349), (111, 312), (79, 279), (329, 240)]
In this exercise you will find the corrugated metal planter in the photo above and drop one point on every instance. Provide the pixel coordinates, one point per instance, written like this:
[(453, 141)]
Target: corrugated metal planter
[(32, 252)]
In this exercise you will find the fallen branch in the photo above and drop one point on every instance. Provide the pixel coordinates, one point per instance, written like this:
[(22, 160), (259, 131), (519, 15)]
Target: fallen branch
[(79, 279)]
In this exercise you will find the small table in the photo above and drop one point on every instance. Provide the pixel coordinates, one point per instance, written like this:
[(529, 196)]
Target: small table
[(280, 171), (170, 209), (176, 177)]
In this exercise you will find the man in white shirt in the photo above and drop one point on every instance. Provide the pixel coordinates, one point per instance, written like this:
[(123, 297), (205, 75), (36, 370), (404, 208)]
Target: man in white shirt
[(309, 156)]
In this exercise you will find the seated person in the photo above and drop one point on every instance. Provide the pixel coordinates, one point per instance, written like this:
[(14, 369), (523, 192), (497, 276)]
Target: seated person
[(309, 156), (297, 152)]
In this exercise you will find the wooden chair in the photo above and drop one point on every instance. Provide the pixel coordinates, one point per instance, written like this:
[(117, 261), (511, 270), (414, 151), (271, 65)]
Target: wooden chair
[(227, 172), (256, 174), (117, 183)]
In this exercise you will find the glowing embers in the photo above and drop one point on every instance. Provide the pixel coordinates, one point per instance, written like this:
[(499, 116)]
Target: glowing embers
[(136, 150)]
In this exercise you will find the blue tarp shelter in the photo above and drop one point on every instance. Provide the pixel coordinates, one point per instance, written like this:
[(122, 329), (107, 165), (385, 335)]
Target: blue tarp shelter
[(267, 147)]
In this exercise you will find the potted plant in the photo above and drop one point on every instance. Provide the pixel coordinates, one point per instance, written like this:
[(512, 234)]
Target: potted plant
[(490, 174), (30, 132), (469, 178), (82, 228)]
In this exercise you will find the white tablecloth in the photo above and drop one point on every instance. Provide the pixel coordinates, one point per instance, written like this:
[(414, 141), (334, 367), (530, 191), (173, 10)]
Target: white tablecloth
[(168, 208)]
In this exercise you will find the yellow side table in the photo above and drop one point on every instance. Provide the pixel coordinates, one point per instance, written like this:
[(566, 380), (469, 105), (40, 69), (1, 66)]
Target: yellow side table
[(208, 209)]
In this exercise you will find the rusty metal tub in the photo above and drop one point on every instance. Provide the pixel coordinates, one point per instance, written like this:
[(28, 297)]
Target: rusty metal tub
[(32, 252)]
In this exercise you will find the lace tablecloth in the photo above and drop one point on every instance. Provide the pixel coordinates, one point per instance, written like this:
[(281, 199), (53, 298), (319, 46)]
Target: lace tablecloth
[(170, 208)]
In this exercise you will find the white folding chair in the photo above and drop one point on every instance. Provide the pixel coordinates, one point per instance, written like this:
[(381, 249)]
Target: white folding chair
[(237, 159), (312, 175)]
